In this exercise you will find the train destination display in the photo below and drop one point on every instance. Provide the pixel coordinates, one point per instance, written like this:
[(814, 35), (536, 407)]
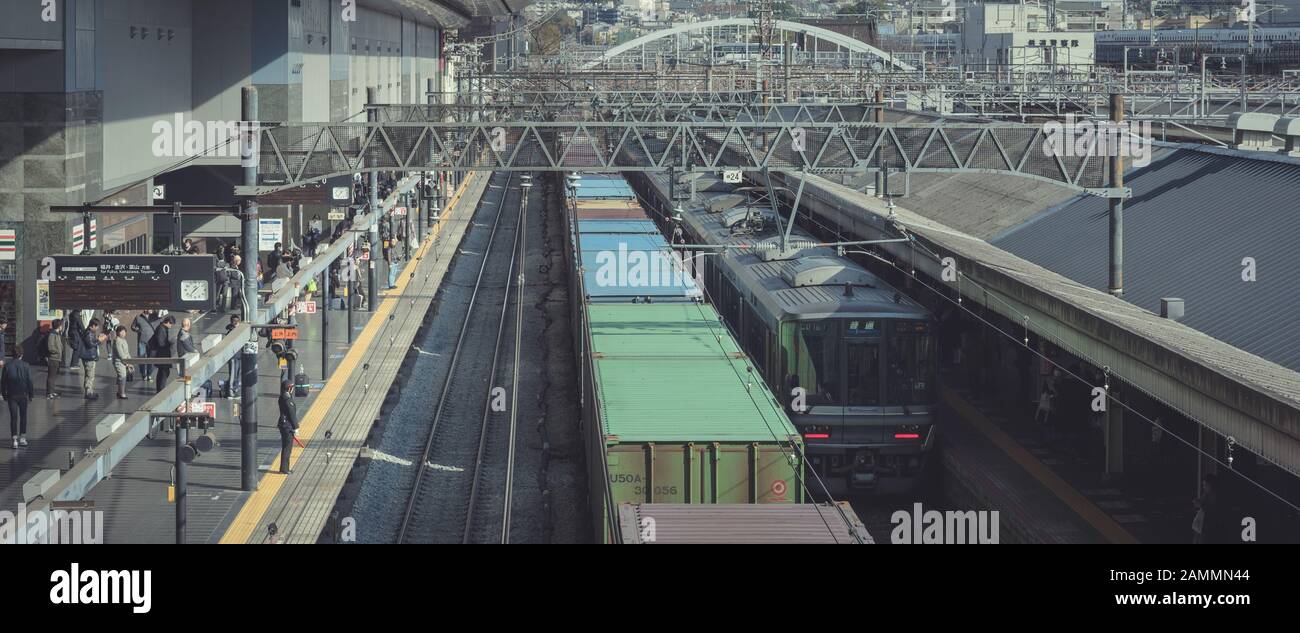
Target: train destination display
[(131, 282)]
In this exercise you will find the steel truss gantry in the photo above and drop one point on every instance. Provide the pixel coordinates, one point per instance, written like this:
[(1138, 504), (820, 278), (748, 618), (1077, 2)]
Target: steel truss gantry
[(296, 154)]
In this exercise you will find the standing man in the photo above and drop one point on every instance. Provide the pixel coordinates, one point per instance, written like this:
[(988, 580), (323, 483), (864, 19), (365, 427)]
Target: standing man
[(222, 278), (76, 334), (53, 357), (160, 346), (89, 358), (16, 387), (120, 352), (185, 340), (391, 258), (272, 263), (288, 424), (236, 362), (236, 282), (144, 326)]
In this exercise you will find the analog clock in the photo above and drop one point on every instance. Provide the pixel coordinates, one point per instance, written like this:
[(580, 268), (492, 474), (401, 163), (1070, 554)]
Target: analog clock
[(194, 290)]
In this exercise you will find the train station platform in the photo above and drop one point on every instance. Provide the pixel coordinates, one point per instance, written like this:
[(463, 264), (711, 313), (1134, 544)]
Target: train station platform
[(336, 427), (132, 489)]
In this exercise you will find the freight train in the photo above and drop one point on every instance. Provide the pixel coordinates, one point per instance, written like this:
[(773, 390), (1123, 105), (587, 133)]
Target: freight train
[(853, 358), (672, 409)]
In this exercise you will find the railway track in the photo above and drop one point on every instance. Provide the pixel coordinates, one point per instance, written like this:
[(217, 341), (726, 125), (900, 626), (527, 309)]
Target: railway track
[(461, 490)]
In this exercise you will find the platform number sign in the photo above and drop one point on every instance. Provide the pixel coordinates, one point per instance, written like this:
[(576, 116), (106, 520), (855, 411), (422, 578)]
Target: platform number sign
[(498, 139), (732, 176)]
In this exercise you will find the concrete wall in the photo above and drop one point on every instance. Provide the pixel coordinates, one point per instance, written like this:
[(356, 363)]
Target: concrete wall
[(145, 70)]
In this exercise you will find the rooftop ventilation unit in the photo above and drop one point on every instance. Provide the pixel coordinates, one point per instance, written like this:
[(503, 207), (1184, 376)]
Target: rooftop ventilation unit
[(824, 271), (1253, 130)]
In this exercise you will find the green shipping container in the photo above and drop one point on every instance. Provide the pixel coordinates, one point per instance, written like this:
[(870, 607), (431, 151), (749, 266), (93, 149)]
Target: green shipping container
[(678, 417)]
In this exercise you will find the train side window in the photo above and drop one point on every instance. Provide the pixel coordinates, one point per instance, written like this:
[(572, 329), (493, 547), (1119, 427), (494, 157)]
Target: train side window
[(755, 340)]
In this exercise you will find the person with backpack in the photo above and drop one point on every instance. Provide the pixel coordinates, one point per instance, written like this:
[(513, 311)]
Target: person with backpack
[(90, 357), (222, 278), (52, 347)]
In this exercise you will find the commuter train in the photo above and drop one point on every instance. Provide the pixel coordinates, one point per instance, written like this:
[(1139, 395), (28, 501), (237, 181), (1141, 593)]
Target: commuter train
[(853, 359), (671, 411), (1274, 47)]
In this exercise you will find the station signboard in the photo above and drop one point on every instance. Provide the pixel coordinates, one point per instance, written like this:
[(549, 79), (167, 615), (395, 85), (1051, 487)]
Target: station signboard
[(130, 282)]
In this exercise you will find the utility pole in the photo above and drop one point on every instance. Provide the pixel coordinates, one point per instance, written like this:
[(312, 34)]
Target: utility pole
[(1116, 287), (248, 358), (376, 249)]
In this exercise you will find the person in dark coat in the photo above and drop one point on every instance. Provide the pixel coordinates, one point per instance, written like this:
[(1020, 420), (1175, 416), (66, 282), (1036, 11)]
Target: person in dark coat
[(16, 387), (288, 424), (90, 358), (160, 346), (144, 326), (273, 262), (54, 345), (76, 335)]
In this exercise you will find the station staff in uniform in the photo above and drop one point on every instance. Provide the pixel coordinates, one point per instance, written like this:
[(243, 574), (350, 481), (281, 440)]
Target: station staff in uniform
[(288, 424)]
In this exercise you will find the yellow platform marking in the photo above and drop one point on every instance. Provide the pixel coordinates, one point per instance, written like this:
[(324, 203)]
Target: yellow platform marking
[(254, 509), (1081, 505)]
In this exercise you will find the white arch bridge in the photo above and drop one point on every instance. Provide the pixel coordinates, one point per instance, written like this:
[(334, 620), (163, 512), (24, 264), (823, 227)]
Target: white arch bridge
[(844, 50)]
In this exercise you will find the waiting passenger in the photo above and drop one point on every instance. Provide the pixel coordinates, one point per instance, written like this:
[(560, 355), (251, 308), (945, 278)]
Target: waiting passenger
[(16, 387)]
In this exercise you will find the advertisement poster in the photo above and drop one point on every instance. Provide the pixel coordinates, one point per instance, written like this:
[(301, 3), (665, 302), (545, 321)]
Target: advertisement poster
[(43, 311)]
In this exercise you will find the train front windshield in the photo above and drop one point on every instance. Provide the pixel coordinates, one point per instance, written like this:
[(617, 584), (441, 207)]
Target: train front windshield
[(863, 362), (910, 375)]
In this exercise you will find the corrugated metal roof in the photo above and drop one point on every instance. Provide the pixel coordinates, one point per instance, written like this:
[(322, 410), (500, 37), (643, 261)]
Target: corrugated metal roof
[(776, 523), (1194, 216), (672, 373)]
